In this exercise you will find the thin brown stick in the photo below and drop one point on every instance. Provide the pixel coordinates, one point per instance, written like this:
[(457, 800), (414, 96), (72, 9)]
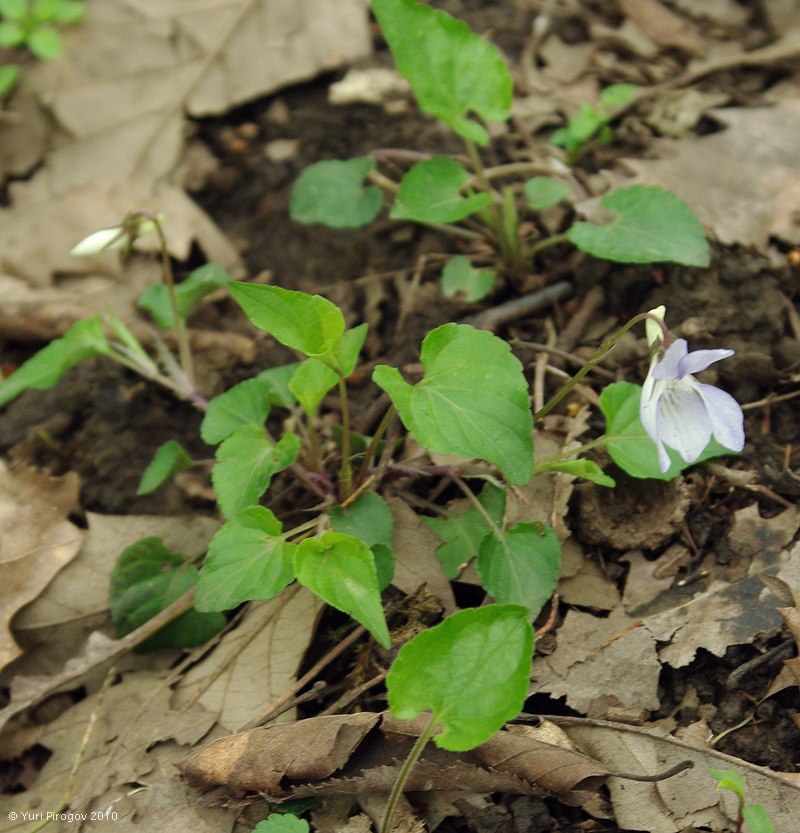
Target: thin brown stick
[(351, 695), (276, 707)]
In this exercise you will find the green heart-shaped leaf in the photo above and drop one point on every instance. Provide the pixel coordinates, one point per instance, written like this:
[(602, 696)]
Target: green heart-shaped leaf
[(452, 71), (246, 463), (651, 225), (522, 566), (471, 671), (308, 323), (431, 193), (473, 401), (333, 193), (247, 559), (462, 533), (340, 569)]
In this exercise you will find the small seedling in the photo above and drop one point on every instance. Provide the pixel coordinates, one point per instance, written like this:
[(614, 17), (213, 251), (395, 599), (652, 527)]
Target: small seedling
[(752, 817), (460, 78), (34, 24), (593, 123), (282, 823)]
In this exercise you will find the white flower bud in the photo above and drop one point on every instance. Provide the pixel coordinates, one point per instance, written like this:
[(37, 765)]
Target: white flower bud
[(655, 336), (104, 240)]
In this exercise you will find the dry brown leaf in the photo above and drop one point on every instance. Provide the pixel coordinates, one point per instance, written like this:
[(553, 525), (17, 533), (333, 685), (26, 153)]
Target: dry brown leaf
[(585, 668), (663, 26), (727, 13), (47, 219), (254, 663), (689, 798), (791, 616), (129, 72), (36, 540), (361, 753), (416, 563), (127, 721), (583, 581), (23, 134), (745, 203), (116, 102), (647, 580), (160, 802)]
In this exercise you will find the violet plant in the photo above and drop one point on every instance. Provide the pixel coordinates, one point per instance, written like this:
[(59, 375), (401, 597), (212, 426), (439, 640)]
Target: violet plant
[(455, 76), (472, 401)]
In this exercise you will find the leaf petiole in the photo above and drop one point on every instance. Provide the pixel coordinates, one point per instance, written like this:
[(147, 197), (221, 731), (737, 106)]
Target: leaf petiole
[(405, 770)]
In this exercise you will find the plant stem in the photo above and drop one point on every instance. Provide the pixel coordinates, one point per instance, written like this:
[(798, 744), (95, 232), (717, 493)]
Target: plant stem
[(314, 444), (405, 771), (178, 324), (470, 496), (507, 239), (604, 349), (380, 431), (346, 470), (574, 452), (541, 245)]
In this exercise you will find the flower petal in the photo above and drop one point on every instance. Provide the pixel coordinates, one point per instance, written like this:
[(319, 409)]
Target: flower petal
[(699, 360), (727, 419), (652, 392), (668, 366), (684, 421)]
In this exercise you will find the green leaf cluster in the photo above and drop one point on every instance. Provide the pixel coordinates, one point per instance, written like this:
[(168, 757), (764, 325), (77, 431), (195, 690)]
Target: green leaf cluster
[(146, 579), (34, 24), (250, 558), (282, 823), (593, 122), (456, 75), (754, 816)]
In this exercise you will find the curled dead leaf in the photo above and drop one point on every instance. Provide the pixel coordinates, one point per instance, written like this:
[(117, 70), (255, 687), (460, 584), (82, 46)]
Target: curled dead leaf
[(362, 753)]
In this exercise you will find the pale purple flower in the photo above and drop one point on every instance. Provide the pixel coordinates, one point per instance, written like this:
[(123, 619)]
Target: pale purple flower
[(678, 411)]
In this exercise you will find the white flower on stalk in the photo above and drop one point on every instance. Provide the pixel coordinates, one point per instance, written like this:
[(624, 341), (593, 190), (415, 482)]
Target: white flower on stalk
[(104, 240), (116, 237), (678, 411)]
